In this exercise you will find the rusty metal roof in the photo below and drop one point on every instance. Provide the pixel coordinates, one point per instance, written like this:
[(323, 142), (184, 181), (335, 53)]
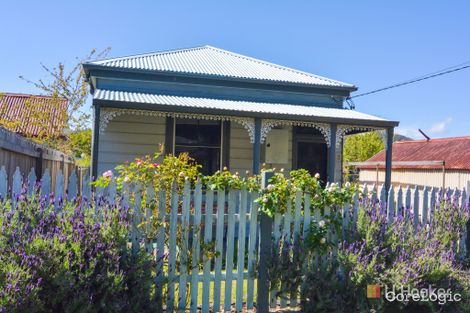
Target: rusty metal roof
[(33, 115), (211, 61), (455, 152)]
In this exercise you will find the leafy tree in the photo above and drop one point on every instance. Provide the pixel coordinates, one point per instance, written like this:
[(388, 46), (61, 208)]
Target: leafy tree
[(69, 85), (79, 142), (72, 86), (361, 147)]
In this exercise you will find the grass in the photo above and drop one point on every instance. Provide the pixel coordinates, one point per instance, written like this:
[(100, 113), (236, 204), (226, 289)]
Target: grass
[(222, 292)]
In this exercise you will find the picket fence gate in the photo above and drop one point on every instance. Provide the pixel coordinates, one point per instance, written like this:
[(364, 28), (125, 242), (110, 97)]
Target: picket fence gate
[(228, 220)]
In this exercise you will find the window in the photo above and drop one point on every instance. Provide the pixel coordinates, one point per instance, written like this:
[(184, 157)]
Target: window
[(202, 140)]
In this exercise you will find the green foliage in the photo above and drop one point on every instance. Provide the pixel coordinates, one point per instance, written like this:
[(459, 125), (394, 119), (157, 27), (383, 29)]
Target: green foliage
[(70, 85), (160, 172), (79, 145), (74, 117), (361, 147), (274, 197), (280, 190), (225, 180)]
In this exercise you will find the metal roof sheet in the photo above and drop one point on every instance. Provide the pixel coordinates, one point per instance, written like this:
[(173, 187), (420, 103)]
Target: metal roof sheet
[(207, 60), (454, 151), (15, 110), (277, 110)]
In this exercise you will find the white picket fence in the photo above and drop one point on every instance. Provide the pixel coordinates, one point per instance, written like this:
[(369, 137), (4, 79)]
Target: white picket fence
[(229, 221), (31, 183)]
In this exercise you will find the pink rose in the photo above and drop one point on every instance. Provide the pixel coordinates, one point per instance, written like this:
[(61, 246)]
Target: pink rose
[(108, 174)]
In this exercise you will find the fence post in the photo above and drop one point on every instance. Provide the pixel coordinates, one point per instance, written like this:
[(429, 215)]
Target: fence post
[(266, 227)]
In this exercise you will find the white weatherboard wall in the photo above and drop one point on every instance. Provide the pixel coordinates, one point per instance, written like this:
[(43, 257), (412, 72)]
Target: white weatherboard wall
[(280, 133), (241, 149), (127, 137), (426, 177)]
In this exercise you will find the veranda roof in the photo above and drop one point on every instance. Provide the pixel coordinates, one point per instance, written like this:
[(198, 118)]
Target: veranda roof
[(167, 103)]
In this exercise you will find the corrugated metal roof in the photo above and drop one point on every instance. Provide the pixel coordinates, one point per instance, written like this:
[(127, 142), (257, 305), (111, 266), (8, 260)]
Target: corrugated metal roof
[(277, 110), (454, 151), (207, 60), (16, 114)]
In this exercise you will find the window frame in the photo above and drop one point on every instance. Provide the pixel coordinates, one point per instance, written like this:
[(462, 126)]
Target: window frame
[(224, 145)]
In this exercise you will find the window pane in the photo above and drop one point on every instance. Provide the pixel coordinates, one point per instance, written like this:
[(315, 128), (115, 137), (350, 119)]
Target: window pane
[(209, 158), (198, 134), (202, 140)]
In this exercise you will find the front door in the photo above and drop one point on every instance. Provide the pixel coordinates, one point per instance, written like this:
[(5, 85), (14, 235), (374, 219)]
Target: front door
[(310, 152)]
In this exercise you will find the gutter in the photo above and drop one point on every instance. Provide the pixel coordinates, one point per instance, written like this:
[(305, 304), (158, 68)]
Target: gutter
[(211, 111), (88, 67)]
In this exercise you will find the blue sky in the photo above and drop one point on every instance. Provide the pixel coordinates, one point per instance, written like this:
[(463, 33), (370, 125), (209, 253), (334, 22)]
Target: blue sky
[(369, 43)]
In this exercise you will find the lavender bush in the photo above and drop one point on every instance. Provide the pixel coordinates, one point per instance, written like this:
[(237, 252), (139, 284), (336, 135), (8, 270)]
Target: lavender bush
[(390, 255), (74, 259)]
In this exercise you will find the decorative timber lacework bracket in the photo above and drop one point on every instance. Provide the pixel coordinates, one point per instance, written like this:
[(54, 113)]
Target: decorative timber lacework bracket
[(108, 115), (342, 130), (268, 124)]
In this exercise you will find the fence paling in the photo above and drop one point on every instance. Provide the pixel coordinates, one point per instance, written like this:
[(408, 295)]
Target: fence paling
[(136, 219), (160, 246), (184, 249), (424, 217), (3, 183), (219, 248), (306, 225), (286, 234), (296, 237), (241, 249), (31, 181), (276, 237), (252, 251), (172, 249), (196, 246), (229, 254), (209, 207)]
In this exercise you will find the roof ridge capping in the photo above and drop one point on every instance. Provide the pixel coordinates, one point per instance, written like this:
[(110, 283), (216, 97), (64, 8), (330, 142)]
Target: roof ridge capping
[(432, 139), (161, 52), (328, 82), (28, 95), (279, 66)]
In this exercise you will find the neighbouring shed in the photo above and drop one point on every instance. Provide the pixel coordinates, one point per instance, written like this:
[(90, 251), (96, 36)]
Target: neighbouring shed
[(33, 115), (452, 153)]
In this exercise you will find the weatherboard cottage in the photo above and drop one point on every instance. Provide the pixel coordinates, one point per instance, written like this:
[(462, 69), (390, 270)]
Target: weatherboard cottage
[(225, 109)]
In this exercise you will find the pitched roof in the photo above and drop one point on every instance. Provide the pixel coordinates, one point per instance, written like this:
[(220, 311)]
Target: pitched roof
[(16, 114), (211, 61), (454, 151), (244, 108)]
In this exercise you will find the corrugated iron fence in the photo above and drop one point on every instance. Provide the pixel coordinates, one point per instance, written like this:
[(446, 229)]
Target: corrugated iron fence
[(194, 221)]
